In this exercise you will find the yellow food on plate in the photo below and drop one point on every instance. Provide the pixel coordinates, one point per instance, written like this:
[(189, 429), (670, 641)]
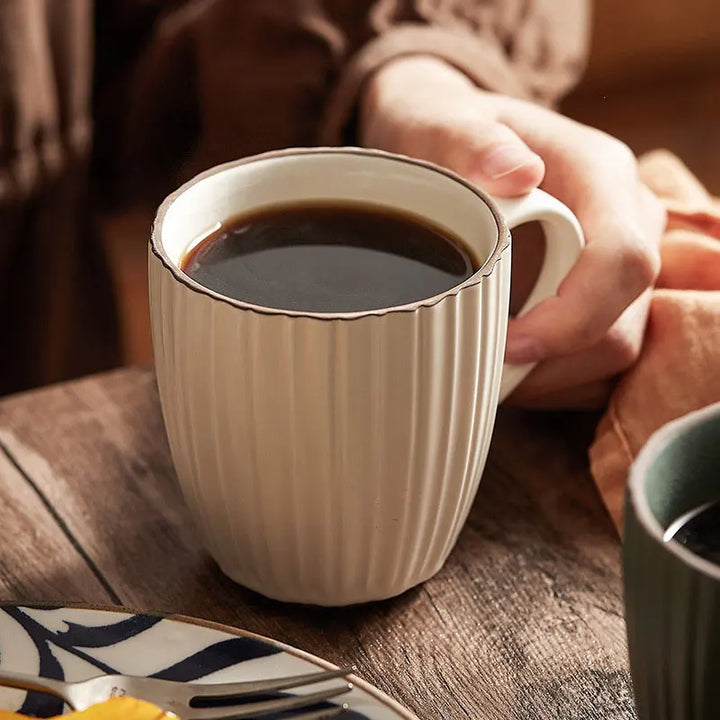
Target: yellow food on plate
[(120, 708)]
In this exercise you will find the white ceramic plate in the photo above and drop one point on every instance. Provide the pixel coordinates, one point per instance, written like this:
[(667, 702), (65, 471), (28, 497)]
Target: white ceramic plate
[(74, 643)]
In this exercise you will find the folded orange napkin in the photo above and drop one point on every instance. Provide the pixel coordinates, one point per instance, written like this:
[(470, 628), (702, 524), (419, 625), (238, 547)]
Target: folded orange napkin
[(679, 367)]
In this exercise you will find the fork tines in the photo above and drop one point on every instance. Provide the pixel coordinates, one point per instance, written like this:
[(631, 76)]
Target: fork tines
[(221, 691), (267, 707)]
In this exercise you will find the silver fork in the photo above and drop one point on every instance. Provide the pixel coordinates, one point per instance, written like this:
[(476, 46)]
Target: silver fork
[(195, 701)]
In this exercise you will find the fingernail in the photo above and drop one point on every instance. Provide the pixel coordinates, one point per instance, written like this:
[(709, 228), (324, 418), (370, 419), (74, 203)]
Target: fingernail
[(523, 349), (504, 160)]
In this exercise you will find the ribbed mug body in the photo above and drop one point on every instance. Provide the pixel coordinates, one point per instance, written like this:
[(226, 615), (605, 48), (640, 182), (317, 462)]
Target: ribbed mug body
[(329, 461), (329, 458)]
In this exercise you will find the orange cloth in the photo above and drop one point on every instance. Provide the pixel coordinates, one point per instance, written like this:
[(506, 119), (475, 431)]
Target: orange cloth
[(679, 367)]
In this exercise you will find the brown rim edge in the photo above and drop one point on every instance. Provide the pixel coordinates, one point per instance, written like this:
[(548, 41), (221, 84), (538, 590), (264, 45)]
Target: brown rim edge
[(502, 243), (378, 695)]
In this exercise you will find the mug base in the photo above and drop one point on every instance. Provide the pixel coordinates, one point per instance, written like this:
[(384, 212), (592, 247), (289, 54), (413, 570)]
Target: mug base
[(339, 598)]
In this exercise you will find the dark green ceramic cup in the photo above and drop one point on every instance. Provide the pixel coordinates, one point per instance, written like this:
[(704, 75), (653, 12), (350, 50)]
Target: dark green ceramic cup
[(672, 596)]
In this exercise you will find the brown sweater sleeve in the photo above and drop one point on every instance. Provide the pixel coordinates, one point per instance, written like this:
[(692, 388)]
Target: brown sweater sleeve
[(533, 49), (213, 81)]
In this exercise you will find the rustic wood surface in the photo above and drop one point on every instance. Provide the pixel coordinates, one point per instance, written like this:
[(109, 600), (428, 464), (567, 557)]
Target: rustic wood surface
[(524, 622)]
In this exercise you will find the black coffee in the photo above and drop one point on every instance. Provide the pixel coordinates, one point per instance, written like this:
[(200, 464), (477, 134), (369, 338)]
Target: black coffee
[(329, 258), (699, 531)]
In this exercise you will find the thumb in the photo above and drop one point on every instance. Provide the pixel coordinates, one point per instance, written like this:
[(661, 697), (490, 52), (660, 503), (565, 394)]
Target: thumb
[(424, 108), (493, 156)]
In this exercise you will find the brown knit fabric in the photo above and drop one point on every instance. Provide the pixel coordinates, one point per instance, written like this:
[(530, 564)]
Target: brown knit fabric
[(179, 86)]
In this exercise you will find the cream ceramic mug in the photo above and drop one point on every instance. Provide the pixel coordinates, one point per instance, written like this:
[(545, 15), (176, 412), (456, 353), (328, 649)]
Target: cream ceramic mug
[(333, 458)]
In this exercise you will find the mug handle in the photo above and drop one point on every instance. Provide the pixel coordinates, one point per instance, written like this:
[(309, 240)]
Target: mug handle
[(564, 241)]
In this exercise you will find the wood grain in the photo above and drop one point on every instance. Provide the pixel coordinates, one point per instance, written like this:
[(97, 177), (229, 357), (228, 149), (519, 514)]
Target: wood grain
[(38, 560), (524, 622)]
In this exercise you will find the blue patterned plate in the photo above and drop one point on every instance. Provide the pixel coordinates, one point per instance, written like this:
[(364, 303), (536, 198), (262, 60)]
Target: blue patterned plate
[(74, 643)]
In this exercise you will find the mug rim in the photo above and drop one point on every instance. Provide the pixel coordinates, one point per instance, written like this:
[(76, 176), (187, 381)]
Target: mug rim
[(657, 442), (501, 243)]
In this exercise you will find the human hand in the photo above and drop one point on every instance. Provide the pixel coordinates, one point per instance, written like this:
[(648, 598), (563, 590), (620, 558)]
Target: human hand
[(593, 328)]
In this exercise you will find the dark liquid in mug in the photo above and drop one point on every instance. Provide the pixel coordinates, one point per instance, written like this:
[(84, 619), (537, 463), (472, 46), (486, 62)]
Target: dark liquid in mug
[(329, 258), (699, 531)]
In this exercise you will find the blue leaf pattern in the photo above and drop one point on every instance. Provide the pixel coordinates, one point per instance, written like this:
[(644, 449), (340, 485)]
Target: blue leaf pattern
[(35, 703), (225, 653), (105, 635), (79, 640)]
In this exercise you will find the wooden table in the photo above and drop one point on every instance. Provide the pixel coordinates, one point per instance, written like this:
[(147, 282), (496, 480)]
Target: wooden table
[(524, 622)]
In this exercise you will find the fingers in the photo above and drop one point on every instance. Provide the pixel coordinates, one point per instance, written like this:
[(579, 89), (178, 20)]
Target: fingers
[(597, 176), (492, 155), (617, 351), (608, 276), (425, 108)]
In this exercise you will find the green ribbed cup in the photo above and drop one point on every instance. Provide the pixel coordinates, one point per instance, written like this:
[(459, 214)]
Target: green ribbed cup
[(672, 597)]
